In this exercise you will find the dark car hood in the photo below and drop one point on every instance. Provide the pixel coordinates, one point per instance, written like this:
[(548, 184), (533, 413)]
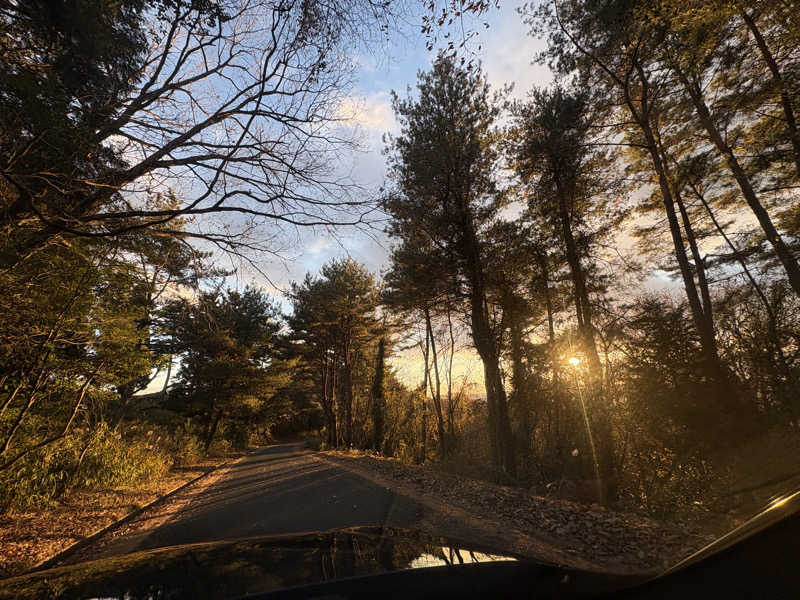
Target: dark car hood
[(237, 568)]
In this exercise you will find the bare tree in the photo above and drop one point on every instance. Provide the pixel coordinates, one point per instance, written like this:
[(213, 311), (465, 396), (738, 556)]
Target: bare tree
[(236, 116)]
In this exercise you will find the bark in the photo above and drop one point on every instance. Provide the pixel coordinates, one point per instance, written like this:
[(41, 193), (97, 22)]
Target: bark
[(695, 305), (333, 378), (699, 264), (597, 419), (725, 405), (541, 259), (521, 391), (166, 381), (772, 324), (450, 405), (708, 331), (580, 293), (426, 377), (348, 394), (212, 430), (486, 345), (328, 388)]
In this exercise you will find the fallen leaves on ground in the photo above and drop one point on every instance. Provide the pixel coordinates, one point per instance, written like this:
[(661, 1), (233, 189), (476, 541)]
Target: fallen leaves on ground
[(618, 541)]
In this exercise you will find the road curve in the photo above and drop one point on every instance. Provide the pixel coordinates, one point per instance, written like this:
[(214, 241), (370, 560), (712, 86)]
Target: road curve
[(283, 489)]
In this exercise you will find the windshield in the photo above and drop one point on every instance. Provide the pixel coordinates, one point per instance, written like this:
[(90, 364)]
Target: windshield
[(526, 277)]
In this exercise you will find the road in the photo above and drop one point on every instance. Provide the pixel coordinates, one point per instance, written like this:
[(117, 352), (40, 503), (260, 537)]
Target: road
[(283, 489)]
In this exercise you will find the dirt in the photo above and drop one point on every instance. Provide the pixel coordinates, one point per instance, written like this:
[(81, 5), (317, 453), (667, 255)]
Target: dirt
[(559, 531)]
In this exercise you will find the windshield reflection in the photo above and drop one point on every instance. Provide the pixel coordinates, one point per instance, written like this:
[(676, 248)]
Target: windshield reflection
[(232, 569)]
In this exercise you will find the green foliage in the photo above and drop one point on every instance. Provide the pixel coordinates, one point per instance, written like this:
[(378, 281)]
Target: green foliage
[(335, 331), (112, 461), (232, 361), (184, 446), (98, 459)]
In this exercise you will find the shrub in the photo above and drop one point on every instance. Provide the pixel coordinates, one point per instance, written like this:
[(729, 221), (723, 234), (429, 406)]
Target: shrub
[(220, 447), (238, 434), (101, 458), (112, 461), (185, 447)]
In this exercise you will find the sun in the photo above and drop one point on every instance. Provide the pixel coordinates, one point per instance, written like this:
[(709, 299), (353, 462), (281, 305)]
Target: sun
[(574, 361)]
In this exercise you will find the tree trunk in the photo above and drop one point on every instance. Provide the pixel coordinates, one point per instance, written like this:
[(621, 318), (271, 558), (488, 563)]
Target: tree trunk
[(378, 399), (783, 252), (580, 293), (436, 394), (333, 385), (725, 405), (165, 389), (521, 392), (450, 399), (212, 430), (348, 395), (780, 83), (699, 263), (541, 259), (695, 305), (424, 415), (328, 390), (483, 338), (772, 323)]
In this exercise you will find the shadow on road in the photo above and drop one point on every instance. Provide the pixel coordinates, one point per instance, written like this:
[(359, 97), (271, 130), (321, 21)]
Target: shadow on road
[(283, 489)]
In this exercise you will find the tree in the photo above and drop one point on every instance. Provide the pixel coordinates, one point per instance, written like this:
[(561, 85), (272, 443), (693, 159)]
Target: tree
[(230, 104), (443, 163), (379, 397), (418, 284), (334, 321), (231, 356), (554, 157), (567, 178), (621, 67), (694, 55)]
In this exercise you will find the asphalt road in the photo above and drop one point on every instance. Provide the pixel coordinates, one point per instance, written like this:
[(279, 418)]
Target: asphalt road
[(282, 489)]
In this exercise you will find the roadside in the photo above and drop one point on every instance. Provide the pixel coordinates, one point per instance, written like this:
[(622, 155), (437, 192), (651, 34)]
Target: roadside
[(28, 538), (560, 531)]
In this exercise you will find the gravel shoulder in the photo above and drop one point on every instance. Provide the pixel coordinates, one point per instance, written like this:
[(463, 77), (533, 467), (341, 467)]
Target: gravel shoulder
[(557, 531)]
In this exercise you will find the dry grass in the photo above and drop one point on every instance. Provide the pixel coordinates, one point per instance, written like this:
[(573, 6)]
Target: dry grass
[(31, 537)]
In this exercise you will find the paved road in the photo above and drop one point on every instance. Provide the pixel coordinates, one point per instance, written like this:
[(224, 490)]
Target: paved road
[(282, 489)]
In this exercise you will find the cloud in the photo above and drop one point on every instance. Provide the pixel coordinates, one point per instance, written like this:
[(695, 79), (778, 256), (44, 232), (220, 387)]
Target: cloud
[(372, 113), (507, 53)]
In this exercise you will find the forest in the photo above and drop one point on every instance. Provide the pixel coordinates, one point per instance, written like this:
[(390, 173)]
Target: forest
[(620, 250)]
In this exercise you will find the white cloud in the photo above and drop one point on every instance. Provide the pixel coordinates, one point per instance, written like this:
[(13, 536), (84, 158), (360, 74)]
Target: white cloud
[(373, 112), (507, 52)]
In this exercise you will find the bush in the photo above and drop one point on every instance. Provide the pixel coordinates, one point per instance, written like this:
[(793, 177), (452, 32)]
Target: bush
[(185, 447), (314, 441), (220, 447), (112, 461), (100, 458), (238, 434)]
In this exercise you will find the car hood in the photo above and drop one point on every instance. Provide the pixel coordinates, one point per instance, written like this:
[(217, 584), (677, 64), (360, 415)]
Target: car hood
[(236, 568)]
